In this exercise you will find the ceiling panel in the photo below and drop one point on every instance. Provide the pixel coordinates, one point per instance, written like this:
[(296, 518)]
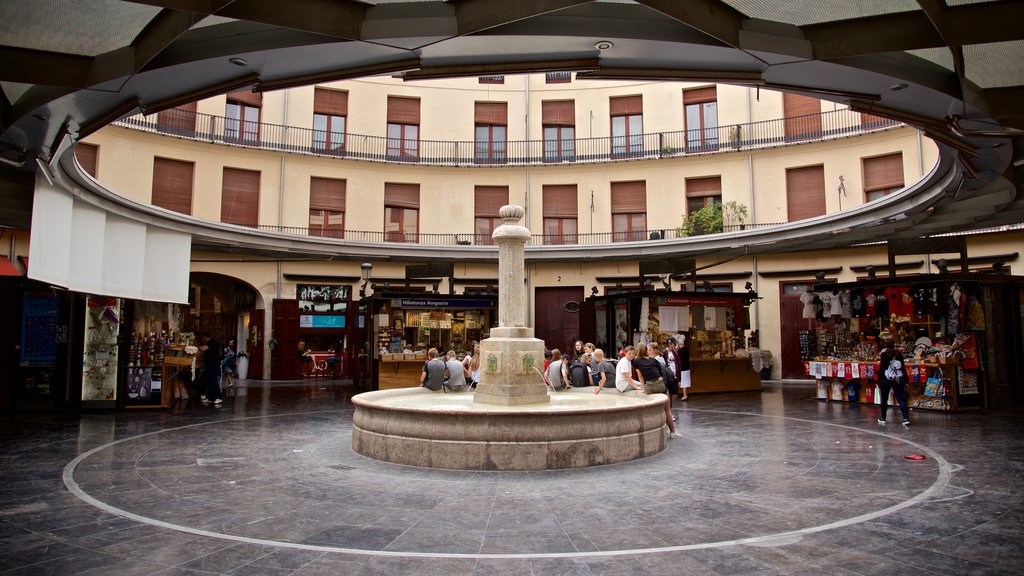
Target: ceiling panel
[(81, 27), (995, 65), (803, 12)]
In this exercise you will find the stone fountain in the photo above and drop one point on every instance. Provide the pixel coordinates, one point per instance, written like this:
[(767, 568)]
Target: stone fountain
[(512, 421)]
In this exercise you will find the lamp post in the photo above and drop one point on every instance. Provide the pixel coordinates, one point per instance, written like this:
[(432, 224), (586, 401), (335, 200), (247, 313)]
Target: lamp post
[(364, 272)]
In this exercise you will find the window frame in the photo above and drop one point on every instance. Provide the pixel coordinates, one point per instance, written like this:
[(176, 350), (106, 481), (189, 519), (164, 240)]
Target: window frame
[(237, 128)]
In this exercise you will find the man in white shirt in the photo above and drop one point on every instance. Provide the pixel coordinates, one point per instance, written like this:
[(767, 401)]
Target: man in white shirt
[(623, 372)]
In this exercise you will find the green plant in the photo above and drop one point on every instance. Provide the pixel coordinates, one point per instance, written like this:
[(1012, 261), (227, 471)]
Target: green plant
[(712, 219)]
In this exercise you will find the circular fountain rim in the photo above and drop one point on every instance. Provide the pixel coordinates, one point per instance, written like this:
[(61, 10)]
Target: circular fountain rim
[(371, 400)]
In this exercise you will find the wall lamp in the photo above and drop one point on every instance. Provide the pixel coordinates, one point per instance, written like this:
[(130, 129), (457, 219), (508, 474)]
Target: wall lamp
[(364, 272), (819, 276), (593, 290), (870, 269), (748, 286), (943, 265)]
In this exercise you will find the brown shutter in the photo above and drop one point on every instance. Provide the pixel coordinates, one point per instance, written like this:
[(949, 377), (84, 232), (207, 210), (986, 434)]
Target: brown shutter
[(327, 194), (883, 172), (493, 113), (172, 184), (700, 95), (700, 187), (402, 195), (558, 113), (181, 118), (629, 197), (489, 199), (247, 97), (87, 155), (403, 110), (627, 106), (805, 192), (560, 201), (240, 200), (330, 102), (803, 115)]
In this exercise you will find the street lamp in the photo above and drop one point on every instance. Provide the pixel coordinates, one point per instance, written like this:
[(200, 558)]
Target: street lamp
[(364, 271)]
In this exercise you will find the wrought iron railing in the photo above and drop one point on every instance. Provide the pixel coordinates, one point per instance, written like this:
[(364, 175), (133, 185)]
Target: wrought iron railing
[(275, 137)]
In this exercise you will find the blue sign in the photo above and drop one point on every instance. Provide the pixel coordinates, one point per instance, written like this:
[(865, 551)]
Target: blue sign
[(321, 321)]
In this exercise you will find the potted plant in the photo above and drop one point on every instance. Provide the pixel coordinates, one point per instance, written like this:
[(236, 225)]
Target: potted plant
[(242, 365)]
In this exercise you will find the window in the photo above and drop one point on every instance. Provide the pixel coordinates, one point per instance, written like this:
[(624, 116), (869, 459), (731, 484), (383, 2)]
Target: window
[(701, 192), (87, 156), (403, 128), (491, 79), (330, 109), (327, 207), (242, 122), (805, 192), (172, 184), (491, 119), (240, 197), (701, 112), (559, 121), (487, 201), (629, 211), (180, 120), (560, 213), (558, 77), (627, 126), (802, 117), (401, 212), (883, 175)]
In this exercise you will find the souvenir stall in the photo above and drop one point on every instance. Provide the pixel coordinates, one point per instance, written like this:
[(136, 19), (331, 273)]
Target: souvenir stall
[(405, 325), (713, 325), (950, 328)]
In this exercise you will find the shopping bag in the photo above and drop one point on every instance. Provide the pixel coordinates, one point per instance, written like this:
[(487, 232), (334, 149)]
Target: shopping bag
[(936, 386)]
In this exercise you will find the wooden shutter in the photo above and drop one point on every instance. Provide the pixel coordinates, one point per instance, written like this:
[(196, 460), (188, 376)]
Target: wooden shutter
[(558, 113), (180, 120), (627, 106), (330, 102), (87, 155), (327, 194), (403, 110), (805, 192), (629, 197), (803, 115), (701, 187), (560, 201), (489, 199), (700, 95), (240, 199), (402, 195), (247, 97), (493, 113), (172, 184), (883, 172)]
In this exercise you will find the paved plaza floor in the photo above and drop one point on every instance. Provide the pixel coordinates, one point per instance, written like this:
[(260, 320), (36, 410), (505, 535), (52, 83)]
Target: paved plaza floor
[(762, 483)]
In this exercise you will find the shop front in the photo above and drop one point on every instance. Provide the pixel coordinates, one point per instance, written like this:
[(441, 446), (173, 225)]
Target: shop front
[(405, 326), (959, 333), (715, 327)]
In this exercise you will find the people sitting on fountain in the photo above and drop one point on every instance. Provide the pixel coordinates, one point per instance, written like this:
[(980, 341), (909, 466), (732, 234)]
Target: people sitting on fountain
[(653, 382), (556, 376), (455, 374), (624, 372), (432, 376), (579, 371)]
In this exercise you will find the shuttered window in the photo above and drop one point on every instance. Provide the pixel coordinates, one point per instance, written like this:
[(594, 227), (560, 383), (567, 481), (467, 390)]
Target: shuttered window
[(172, 184), (560, 213), (490, 120), (247, 97), (803, 116), (403, 110), (491, 113), (805, 192), (629, 211), (242, 122), (558, 113), (627, 126), (700, 109), (701, 192), (882, 175), (180, 120), (487, 201), (403, 128), (88, 156), (330, 102), (627, 105), (559, 121), (700, 95), (401, 212), (240, 199), (327, 207)]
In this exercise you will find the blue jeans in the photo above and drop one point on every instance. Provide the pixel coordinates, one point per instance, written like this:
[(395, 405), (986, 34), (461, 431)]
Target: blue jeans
[(899, 391)]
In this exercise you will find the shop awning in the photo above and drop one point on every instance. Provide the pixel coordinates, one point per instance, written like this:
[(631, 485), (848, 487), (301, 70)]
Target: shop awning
[(6, 268)]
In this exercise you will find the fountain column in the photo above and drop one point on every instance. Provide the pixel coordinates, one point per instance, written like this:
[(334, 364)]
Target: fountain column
[(511, 358)]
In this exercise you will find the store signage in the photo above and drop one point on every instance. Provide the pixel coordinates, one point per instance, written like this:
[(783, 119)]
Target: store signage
[(722, 301), (321, 321), (439, 303)]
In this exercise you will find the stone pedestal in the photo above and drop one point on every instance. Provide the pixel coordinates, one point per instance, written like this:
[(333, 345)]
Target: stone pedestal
[(511, 368)]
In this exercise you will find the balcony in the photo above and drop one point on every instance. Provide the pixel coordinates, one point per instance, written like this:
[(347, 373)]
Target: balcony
[(731, 138)]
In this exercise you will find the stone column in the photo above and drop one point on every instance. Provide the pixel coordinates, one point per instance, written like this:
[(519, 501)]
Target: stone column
[(511, 359)]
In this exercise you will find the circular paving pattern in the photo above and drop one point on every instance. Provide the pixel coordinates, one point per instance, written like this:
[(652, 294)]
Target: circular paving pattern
[(293, 480)]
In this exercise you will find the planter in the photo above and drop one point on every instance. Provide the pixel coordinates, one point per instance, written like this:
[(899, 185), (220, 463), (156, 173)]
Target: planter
[(242, 366)]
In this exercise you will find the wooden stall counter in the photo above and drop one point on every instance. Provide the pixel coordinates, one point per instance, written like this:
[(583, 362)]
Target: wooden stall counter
[(723, 375), (399, 373)]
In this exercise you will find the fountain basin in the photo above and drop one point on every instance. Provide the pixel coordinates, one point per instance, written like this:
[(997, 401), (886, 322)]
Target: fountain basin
[(418, 427)]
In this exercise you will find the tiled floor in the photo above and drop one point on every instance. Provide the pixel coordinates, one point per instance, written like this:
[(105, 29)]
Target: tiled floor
[(774, 482)]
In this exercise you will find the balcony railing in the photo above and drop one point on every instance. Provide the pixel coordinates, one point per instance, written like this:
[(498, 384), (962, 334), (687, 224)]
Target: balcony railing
[(275, 137), (470, 239)]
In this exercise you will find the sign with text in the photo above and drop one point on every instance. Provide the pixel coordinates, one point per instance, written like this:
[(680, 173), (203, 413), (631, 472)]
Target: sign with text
[(321, 321), (440, 303)]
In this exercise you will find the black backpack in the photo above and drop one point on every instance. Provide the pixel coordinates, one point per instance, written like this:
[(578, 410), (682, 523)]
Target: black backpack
[(578, 375)]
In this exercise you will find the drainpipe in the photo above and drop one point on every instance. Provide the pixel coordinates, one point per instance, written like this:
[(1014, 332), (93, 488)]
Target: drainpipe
[(528, 267), (920, 155)]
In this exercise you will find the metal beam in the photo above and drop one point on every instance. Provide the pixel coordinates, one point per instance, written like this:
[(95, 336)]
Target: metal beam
[(477, 15), (335, 18), (712, 17)]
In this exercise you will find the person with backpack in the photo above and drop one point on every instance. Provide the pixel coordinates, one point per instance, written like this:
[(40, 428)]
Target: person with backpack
[(892, 375), (604, 370), (579, 372)]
